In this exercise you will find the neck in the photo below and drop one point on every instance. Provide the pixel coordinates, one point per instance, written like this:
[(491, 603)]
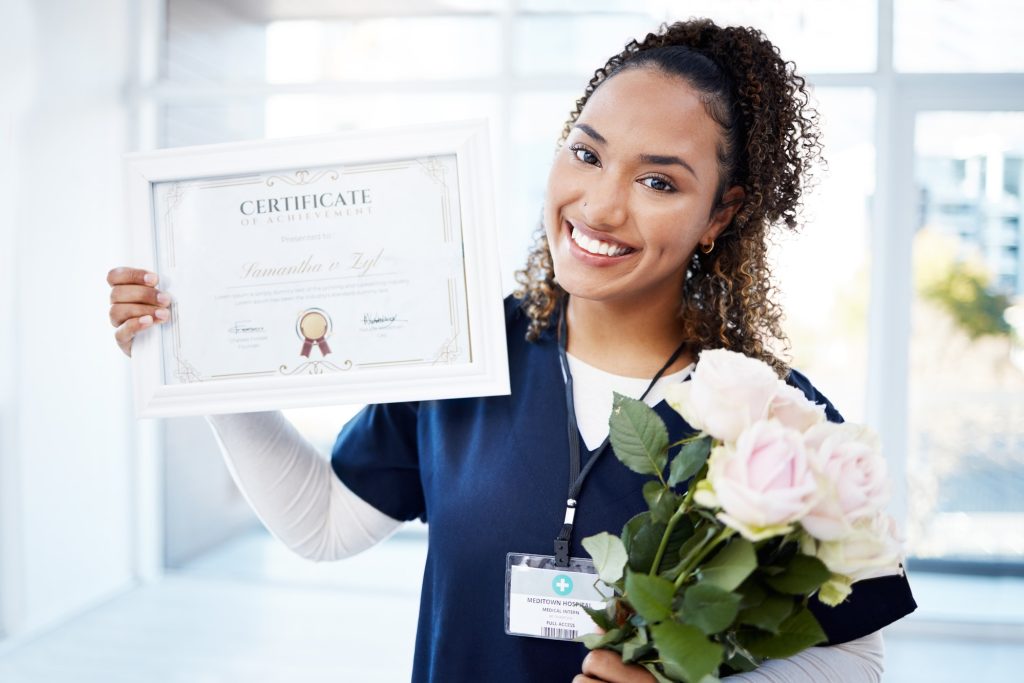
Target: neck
[(626, 339)]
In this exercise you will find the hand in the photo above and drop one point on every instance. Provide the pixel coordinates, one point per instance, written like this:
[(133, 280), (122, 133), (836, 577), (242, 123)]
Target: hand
[(135, 304), (606, 666)]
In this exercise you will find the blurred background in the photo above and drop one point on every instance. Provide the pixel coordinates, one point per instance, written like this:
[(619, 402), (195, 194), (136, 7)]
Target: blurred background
[(126, 551)]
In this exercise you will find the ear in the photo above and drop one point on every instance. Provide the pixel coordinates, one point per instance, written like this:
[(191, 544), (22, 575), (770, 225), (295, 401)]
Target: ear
[(722, 214)]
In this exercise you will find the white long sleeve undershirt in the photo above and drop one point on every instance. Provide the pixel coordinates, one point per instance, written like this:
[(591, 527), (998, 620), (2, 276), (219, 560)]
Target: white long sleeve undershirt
[(296, 495)]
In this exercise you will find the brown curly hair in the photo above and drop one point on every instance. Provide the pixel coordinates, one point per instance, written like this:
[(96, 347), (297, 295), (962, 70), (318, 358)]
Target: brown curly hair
[(769, 144)]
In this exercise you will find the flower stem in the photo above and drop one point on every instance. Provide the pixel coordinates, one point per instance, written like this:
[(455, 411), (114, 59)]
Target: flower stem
[(673, 520), (718, 539)]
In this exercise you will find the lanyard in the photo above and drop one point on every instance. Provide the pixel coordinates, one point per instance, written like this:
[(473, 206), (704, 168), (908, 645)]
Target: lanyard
[(577, 475)]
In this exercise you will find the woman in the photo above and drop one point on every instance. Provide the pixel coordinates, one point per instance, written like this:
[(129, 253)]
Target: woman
[(683, 153)]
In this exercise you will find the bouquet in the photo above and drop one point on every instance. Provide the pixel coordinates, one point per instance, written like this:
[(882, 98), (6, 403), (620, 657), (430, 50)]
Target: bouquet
[(781, 505)]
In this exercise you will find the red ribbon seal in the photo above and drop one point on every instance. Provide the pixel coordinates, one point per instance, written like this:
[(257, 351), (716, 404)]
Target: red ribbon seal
[(307, 346)]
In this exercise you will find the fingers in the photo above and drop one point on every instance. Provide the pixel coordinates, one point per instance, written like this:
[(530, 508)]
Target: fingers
[(127, 331), (607, 665), (125, 294), (119, 313), (135, 303), (124, 275), (580, 678)]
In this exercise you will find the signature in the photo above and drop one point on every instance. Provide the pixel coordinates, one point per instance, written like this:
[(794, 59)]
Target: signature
[(380, 321), (242, 327)]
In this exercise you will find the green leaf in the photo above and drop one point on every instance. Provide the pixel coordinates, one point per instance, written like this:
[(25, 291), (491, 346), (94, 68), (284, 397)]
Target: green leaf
[(658, 676), (700, 536), (796, 633), (738, 658), (600, 617), (769, 614), (662, 501), (710, 608), (753, 593), (681, 533), (609, 555), (650, 596), (596, 641), (636, 647), (731, 565), (638, 436), (689, 460), (643, 545), (685, 652), (802, 576)]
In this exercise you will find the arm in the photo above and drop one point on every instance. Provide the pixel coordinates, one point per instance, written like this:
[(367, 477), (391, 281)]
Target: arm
[(293, 489), (857, 661)]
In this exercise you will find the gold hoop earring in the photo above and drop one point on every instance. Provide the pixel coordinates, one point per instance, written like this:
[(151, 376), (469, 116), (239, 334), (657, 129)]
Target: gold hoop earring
[(708, 248)]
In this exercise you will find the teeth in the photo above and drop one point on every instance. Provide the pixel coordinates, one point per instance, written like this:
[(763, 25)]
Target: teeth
[(597, 246)]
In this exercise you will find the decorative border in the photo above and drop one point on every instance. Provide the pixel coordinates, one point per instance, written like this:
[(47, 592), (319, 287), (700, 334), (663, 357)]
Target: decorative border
[(448, 352), (479, 313)]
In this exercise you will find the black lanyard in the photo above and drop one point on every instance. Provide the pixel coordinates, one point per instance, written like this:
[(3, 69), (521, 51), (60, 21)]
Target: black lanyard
[(576, 475)]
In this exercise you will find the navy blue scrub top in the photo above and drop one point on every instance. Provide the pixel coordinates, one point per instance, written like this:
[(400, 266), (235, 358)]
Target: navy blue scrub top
[(490, 475)]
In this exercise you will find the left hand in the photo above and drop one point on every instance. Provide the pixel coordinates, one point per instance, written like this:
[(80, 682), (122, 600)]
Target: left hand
[(606, 666)]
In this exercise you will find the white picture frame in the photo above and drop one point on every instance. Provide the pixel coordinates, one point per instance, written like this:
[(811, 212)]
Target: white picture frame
[(182, 208)]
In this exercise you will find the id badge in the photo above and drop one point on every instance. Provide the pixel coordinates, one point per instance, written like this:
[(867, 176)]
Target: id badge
[(543, 600)]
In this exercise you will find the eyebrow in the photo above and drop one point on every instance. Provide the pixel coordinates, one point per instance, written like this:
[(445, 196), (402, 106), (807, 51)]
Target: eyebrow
[(659, 159)]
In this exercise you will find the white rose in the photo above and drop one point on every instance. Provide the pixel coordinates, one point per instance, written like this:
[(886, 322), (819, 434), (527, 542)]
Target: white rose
[(727, 393), (872, 549), (852, 475), (791, 407), (763, 484)]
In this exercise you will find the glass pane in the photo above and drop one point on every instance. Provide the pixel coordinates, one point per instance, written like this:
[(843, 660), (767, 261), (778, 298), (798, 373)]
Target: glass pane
[(537, 120), (202, 124), (822, 271), (573, 45), (821, 36), (289, 115), (958, 35), (409, 48), (966, 463)]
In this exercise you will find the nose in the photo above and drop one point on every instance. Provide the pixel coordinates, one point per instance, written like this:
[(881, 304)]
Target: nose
[(605, 202)]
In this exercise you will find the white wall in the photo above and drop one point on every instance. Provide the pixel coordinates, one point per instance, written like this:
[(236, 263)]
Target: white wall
[(66, 507)]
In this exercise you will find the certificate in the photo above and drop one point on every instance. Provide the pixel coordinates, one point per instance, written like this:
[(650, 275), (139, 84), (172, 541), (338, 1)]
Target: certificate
[(352, 268)]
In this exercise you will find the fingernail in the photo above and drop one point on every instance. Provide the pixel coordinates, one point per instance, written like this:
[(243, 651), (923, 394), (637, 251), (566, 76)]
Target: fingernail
[(146, 320), (149, 279), (163, 299), (161, 313)]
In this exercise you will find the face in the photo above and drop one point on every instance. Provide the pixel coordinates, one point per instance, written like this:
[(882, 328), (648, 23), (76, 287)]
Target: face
[(631, 192)]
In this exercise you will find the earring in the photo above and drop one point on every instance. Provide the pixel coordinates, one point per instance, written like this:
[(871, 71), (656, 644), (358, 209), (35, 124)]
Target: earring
[(707, 249)]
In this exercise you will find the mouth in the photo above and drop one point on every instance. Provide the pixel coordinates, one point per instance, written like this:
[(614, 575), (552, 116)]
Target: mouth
[(588, 242)]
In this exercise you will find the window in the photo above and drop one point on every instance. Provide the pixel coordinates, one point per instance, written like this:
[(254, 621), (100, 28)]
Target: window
[(944, 188)]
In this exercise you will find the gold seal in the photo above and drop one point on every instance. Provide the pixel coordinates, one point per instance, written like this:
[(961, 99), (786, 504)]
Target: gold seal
[(313, 327)]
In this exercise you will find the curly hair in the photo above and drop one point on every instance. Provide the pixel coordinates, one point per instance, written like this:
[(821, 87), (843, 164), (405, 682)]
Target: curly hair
[(770, 142)]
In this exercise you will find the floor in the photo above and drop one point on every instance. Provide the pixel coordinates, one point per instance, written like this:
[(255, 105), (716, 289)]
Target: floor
[(252, 612)]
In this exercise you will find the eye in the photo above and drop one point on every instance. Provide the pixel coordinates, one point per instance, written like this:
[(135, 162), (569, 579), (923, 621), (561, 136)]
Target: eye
[(659, 184), (585, 155)]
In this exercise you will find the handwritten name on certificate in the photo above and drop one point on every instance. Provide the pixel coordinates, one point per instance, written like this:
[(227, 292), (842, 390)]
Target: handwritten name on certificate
[(313, 271)]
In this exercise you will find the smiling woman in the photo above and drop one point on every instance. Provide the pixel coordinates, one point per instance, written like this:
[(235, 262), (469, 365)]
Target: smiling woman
[(686, 150), (695, 135)]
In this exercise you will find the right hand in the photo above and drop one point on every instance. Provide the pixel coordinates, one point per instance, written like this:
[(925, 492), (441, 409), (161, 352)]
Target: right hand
[(135, 303)]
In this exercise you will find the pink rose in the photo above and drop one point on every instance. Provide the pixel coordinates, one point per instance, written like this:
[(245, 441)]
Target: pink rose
[(792, 408), (872, 549), (727, 393), (763, 484), (852, 476)]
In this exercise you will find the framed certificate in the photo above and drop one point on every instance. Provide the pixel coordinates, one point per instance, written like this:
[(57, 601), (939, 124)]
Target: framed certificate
[(352, 268)]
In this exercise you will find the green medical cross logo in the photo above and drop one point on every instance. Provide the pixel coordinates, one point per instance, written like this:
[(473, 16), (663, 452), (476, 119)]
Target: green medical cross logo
[(562, 584)]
